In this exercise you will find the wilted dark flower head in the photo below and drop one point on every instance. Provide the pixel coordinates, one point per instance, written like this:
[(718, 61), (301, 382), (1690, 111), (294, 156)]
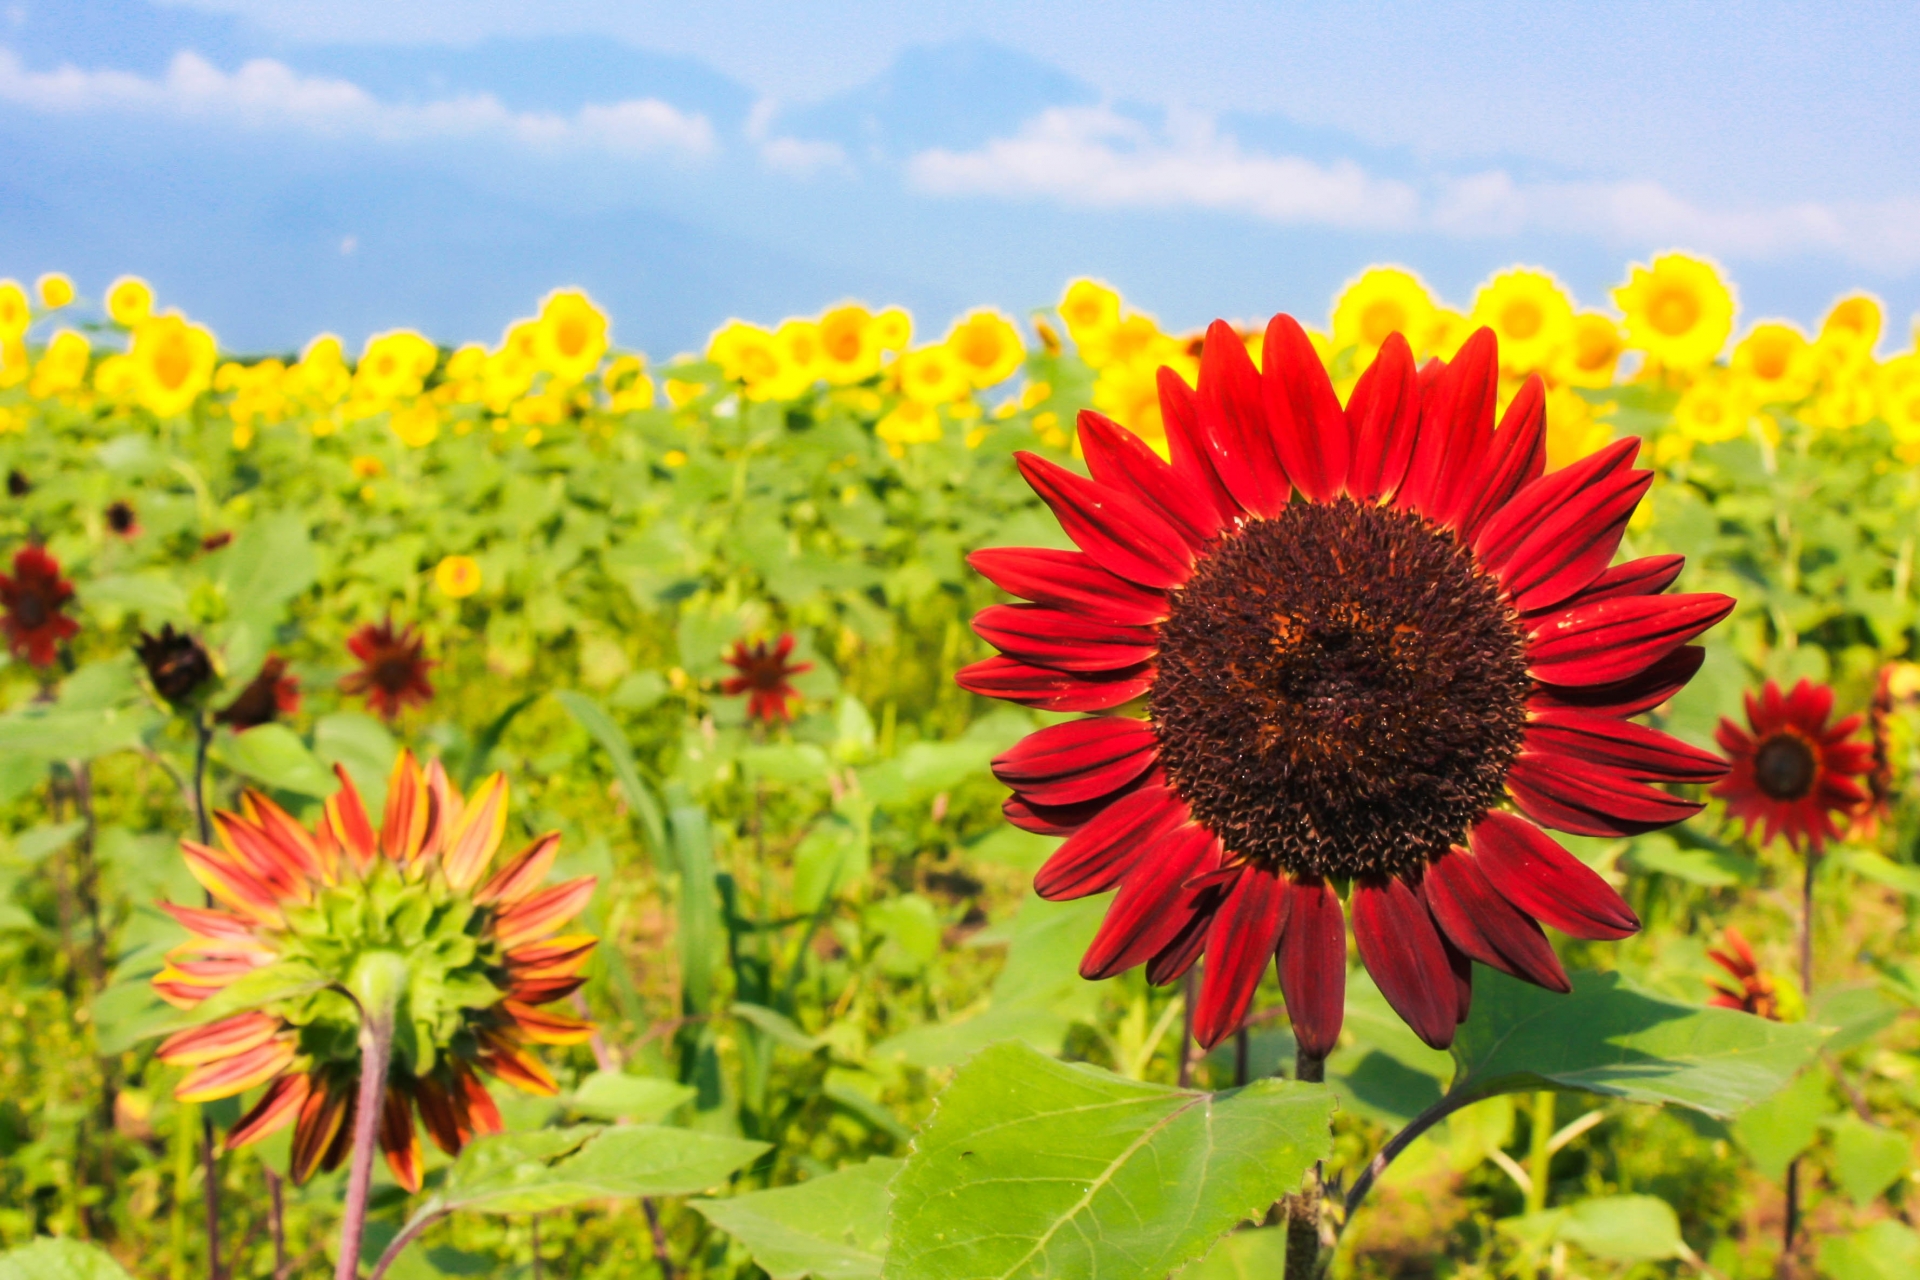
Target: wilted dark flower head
[(122, 519), (176, 663), (268, 696)]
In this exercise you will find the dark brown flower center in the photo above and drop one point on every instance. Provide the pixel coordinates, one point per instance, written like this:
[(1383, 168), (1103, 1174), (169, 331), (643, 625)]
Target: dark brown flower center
[(395, 671), (1340, 691), (1784, 766), (30, 608)]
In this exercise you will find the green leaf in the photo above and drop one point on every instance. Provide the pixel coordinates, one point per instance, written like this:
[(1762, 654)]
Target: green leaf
[(284, 980), (1856, 1013), (269, 563), (1624, 1228), (1868, 1158), (638, 795), (1033, 1167), (1895, 875), (1244, 1255), (832, 1227), (777, 1026), (364, 746), (35, 843), (614, 1095), (49, 1258), (154, 596), (787, 762), (1714, 868), (274, 754), (490, 738), (53, 734), (1609, 1038), (592, 1164), (1887, 1250), (700, 945), (1779, 1128)]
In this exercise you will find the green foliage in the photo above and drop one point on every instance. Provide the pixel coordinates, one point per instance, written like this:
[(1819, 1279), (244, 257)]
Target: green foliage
[(833, 1227), (52, 1259)]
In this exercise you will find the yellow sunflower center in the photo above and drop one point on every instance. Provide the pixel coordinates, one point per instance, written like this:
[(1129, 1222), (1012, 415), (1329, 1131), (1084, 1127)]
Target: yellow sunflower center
[(1382, 316), (1674, 311)]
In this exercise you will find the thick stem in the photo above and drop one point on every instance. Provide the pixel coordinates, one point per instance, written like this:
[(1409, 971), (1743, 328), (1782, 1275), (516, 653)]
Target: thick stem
[(1400, 1142), (398, 1245), (1790, 1223), (661, 1257), (378, 979), (1303, 1207), (1540, 1151)]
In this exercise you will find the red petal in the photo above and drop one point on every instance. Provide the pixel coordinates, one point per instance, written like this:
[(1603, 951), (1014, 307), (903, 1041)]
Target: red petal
[(1189, 450), (1647, 576), (347, 819), (1610, 640), (1633, 749), (1232, 419), (442, 1114), (1530, 869), (1383, 416), (1313, 966), (1309, 431), (243, 1071), (1462, 967), (542, 1026), (1506, 529), (1517, 455), (1241, 941), (276, 1109), (481, 1111), (1631, 696), (1072, 581), (551, 957), (1172, 961), (1484, 925), (216, 1040), (1079, 760), (1121, 532), (404, 828), (1589, 800), (523, 874), (531, 917), (1098, 855), (475, 836), (1402, 950), (1051, 819), (399, 1139), (1120, 460), (322, 1117), (222, 878), (1456, 425), (1153, 904), (1052, 690), (1036, 634), (506, 1058), (1568, 545)]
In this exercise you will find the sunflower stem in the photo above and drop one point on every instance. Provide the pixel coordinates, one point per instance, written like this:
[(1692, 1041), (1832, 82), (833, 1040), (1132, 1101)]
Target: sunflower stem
[(1790, 1219), (661, 1257), (377, 982), (1540, 1151), (1304, 1245), (277, 1224), (1187, 993), (210, 1184)]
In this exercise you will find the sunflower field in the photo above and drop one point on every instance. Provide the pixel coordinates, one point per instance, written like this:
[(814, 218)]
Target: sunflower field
[(1045, 797)]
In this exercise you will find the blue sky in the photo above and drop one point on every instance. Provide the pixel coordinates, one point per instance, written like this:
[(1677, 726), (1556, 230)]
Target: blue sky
[(282, 166)]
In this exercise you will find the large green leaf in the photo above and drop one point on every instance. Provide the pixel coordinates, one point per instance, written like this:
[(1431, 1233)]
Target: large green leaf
[(1887, 1250), (270, 562), (1618, 1228), (1868, 1157), (1776, 1129), (1244, 1255), (1607, 1037), (832, 1227), (1033, 1167), (49, 1258)]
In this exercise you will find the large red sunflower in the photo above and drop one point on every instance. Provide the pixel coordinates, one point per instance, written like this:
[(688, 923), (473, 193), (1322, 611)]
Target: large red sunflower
[(35, 596), (1378, 650), (393, 668), (1793, 774)]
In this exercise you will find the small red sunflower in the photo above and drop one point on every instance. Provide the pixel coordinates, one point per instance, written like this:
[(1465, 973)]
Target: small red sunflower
[(35, 596), (268, 696), (1793, 775), (1756, 993), (1377, 648), (393, 668), (764, 669)]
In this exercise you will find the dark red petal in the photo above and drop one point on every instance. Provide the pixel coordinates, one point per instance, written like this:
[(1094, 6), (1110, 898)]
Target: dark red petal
[(1456, 425), (1571, 544), (1121, 460), (1383, 415), (1099, 854), (1153, 905), (1070, 580), (1633, 749), (1587, 799), (1050, 637), (1171, 961), (1530, 869), (1507, 529), (1189, 450), (1052, 690), (1631, 696), (1079, 760), (1241, 942), (1119, 531), (1309, 430), (1053, 819), (1232, 419), (1611, 640), (1647, 576), (1517, 455), (1313, 966), (1482, 923), (1403, 952)]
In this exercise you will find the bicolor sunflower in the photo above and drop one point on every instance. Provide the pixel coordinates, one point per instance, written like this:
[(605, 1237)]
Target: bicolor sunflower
[(311, 908), (393, 668), (764, 676), (1793, 773), (1377, 650), (1754, 990), (35, 597)]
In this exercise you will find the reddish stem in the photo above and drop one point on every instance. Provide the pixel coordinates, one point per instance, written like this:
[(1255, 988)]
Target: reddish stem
[(377, 987)]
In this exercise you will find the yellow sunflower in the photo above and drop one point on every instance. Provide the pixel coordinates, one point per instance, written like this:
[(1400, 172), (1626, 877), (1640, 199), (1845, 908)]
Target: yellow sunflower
[(173, 363), (1899, 404), (932, 375), (849, 344), (1591, 356), (571, 336), (114, 378), (1713, 409), (15, 314), (1572, 430), (1378, 302), (62, 366), (893, 329), (1091, 310), (628, 387), (129, 301), (910, 422), (55, 290), (1678, 310), (1130, 394), (394, 365), (988, 346), (457, 576), (1851, 330), (1775, 363), (802, 356), (1530, 313)]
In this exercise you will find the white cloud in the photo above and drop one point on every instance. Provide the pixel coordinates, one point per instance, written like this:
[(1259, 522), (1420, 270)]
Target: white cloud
[(800, 157), (264, 93), (1095, 157)]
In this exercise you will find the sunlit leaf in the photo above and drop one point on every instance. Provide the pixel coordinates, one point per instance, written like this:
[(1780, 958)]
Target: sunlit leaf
[(832, 1227)]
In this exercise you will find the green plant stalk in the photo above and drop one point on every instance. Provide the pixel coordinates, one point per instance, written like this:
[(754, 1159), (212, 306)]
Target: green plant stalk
[(184, 1130), (1790, 1224), (1540, 1150), (377, 981), (1303, 1208), (209, 1154)]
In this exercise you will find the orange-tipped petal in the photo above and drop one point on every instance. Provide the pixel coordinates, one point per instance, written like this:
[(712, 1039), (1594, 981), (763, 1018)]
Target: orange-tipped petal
[(507, 1059), (447, 807), (274, 1111), (323, 1118), (551, 957), (228, 882), (216, 1040), (483, 1117), (543, 990), (238, 1073), (284, 831), (404, 827), (542, 1026), (523, 875), (268, 862), (443, 1113), (531, 917), (347, 817), (181, 990), (399, 1139), (210, 923), (476, 838)]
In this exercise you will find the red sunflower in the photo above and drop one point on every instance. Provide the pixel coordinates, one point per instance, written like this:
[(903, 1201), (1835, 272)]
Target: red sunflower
[(268, 696), (1756, 993), (1793, 775), (393, 668), (764, 669), (35, 595), (1377, 648)]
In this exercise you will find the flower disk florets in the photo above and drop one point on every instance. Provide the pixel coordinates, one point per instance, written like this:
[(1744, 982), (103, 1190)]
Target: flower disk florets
[(1340, 691)]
